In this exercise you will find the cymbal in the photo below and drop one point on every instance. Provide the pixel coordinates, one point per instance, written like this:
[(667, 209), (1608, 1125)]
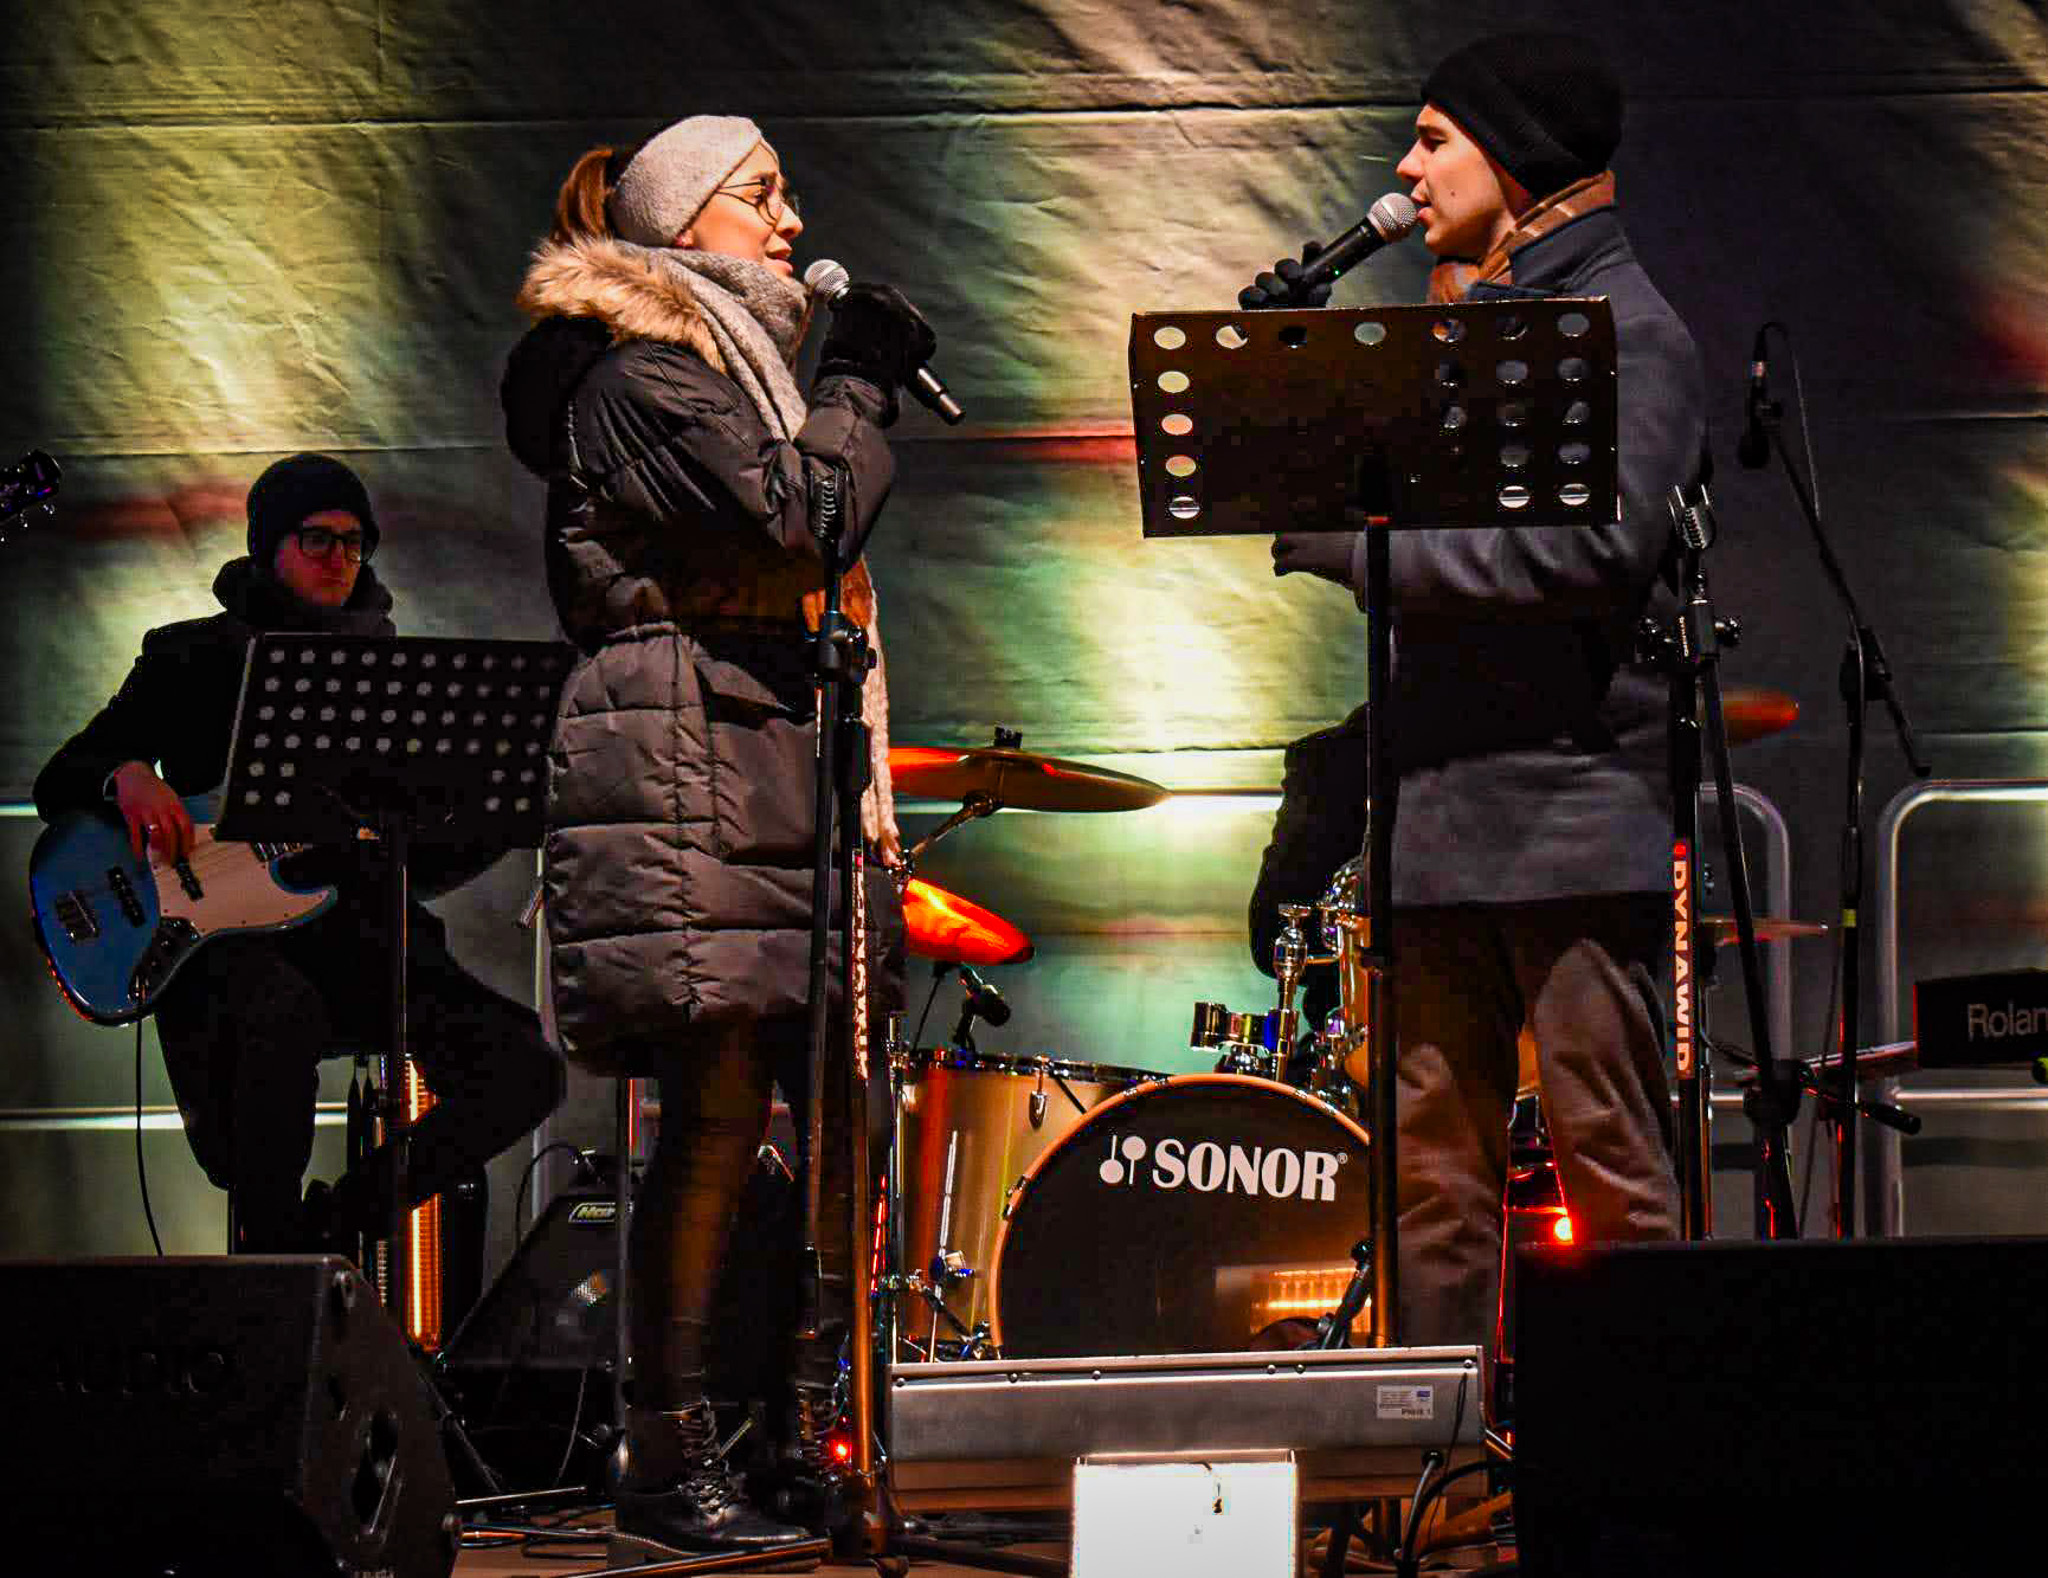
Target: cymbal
[(1720, 929), (942, 925), (1017, 779), (1752, 713)]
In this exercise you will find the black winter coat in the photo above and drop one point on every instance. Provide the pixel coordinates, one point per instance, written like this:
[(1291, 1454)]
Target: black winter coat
[(1532, 755), (679, 853)]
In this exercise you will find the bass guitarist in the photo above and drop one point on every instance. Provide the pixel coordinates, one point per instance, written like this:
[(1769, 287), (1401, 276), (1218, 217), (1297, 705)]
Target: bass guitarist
[(248, 1018)]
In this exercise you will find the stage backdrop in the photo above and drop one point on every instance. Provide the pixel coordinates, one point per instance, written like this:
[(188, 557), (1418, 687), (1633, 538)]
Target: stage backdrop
[(237, 231)]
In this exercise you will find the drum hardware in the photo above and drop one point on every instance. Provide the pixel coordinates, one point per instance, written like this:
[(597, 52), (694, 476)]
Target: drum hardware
[(1241, 1041)]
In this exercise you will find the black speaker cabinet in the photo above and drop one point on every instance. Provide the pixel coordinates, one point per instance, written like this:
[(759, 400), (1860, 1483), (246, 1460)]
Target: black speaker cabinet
[(219, 1416), (1860, 1408)]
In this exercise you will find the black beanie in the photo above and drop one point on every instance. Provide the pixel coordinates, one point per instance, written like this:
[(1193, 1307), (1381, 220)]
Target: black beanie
[(1546, 105), (298, 486)]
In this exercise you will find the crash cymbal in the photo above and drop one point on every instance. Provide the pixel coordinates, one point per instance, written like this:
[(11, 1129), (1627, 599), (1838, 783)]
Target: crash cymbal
[(1016, 779), (942, 925), (1720, 929), (1751, 712)]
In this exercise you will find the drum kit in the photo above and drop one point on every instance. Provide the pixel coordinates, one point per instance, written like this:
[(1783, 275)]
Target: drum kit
[(1047, 1207), (1042, 1206)]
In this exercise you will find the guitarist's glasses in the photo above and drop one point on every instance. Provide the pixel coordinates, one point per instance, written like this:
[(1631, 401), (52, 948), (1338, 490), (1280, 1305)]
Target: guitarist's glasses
[(315, 541)]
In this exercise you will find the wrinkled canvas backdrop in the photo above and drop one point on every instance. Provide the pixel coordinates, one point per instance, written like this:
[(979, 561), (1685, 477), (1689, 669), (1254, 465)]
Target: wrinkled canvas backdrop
[(237, 231)]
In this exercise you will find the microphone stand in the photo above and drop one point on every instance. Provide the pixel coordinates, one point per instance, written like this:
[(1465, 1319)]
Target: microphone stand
[(1690, 652), (1865, 676)]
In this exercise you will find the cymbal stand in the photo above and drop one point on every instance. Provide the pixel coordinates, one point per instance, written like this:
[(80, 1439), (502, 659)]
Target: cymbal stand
[(1690, 652)]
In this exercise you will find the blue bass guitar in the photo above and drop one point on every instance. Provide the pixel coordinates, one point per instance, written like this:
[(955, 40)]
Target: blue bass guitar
[(116, 929)]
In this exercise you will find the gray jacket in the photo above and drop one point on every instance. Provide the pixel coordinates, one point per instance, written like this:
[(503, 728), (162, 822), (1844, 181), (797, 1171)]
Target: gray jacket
[(1532, 755)]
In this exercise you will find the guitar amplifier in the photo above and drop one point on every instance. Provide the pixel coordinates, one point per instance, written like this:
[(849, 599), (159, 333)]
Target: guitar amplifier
[(1981, 1021)]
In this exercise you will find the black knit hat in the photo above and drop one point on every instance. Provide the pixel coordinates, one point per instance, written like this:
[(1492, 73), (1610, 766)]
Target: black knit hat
[(1546, 105), (298, 486)]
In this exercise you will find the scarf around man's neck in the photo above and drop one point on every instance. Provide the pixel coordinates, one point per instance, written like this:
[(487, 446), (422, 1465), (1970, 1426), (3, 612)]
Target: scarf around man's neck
[(1453, 278)]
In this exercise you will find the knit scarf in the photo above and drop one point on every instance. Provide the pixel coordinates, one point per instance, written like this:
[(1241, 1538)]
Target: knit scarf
[(1453, 278), (757, 319)]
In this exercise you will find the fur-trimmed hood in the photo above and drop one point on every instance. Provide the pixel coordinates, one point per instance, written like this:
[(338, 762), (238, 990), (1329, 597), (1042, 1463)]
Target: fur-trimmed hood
[(588, 297), (620, 288)]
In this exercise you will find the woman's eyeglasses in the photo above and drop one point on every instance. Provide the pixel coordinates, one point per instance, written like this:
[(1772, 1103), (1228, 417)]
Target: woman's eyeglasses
[(317, 541), (768, 197)]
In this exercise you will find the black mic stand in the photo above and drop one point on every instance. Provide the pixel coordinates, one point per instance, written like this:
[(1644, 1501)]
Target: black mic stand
[(1865, 676), (1690, 651)]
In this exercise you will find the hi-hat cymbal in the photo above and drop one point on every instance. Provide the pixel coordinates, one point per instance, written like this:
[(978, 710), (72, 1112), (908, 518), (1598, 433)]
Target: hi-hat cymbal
[(1016, 779), (1720, 929), (1752, 713), (942, 925)]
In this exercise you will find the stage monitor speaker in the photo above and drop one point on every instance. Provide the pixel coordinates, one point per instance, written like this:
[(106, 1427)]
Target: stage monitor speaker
[(1859, 1408), (219, 1415)]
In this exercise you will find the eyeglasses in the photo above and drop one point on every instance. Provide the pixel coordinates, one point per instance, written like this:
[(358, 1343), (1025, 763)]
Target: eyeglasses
[(767, 196), (316, 541)]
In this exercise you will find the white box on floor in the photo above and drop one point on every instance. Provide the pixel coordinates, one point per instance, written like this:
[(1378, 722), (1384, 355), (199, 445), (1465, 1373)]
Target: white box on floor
[(1232, 1515)]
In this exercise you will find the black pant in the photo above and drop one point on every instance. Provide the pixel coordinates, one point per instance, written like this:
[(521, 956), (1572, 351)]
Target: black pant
[(248, 1020), (715, 1098), (1579, 973)]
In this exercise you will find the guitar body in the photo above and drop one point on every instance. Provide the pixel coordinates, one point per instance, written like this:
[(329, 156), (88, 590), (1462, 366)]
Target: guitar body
[(116, 930)]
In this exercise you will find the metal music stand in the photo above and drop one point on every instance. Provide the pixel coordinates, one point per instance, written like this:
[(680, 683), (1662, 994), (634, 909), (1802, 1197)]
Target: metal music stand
[(1478, 415), (403, 740)]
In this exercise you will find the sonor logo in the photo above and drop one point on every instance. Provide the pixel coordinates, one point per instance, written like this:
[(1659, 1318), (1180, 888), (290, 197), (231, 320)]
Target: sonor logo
[(1276, 1172)]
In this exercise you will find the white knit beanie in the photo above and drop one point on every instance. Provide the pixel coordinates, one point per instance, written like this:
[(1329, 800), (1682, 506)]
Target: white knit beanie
[(674, 174)]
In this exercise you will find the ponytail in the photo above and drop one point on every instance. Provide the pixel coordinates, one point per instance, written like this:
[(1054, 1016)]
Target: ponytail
[(581, 207)]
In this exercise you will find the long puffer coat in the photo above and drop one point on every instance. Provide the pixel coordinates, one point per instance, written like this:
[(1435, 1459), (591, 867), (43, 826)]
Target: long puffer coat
[(679, 852)]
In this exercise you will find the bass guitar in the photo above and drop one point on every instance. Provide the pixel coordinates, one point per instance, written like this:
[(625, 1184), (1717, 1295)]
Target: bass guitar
[(116, 930)]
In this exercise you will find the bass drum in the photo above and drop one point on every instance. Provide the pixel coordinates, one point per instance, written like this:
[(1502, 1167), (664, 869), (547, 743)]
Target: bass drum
[(1192, 1215)]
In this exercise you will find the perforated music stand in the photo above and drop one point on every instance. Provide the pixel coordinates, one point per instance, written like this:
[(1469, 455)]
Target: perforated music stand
[(402, 740), (1473, 414)]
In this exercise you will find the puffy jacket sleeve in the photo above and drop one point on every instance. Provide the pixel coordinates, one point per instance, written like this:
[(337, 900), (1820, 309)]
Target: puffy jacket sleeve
[(661, 434), (1557, 573)]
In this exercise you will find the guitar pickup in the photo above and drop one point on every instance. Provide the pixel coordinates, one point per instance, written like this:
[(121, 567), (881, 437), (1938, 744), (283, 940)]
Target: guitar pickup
[(124, 895), (189, 881), (76, 917)]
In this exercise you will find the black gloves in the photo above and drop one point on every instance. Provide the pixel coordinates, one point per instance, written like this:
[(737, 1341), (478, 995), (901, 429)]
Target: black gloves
[(878, 335), (1323, 553), (1276, 289)]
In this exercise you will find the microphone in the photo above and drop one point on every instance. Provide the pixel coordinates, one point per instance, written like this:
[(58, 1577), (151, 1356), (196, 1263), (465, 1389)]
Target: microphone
[(830, 280), (1753, 448), (983, 1000), (1387, 221)]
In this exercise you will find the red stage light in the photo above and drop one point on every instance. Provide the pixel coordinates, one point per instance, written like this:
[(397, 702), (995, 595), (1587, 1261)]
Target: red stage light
[(1561, 1229)]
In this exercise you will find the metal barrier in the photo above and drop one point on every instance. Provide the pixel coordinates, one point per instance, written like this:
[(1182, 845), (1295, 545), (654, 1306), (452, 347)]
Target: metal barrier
[(1884, 1171)]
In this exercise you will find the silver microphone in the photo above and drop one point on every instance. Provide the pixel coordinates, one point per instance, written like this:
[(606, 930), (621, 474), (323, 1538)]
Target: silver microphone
[(828, 281)]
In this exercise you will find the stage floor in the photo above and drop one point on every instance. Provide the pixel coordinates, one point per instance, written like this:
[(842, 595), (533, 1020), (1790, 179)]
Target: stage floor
[(557, 1560)]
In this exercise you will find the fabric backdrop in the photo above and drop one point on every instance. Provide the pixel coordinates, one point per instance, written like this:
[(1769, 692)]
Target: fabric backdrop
[(234, 231)]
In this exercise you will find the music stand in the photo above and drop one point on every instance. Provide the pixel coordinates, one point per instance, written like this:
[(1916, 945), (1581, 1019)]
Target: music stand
[(403, 740), (1468, 414)]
